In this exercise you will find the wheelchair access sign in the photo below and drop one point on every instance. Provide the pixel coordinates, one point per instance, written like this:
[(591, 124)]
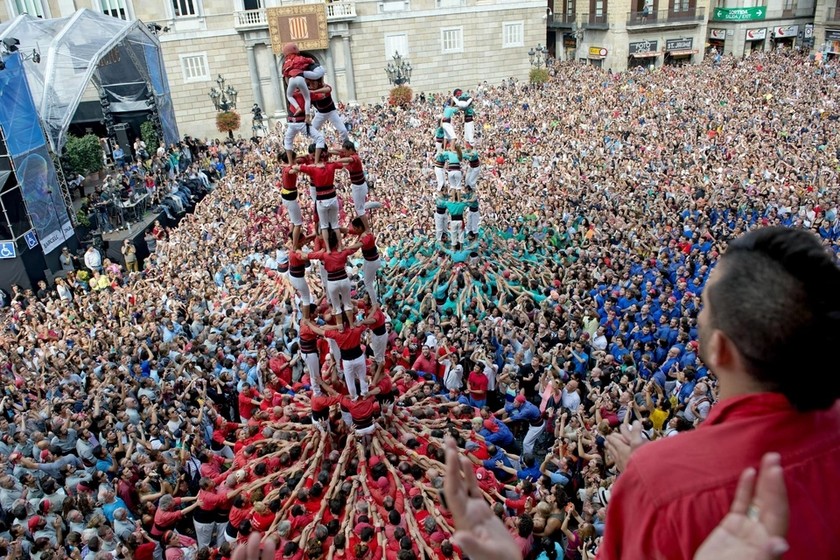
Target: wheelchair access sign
[(31, 239), (7, 250)]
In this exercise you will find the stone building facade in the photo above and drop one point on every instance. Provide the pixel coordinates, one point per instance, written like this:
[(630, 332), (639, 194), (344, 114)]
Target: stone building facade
[(450, 43)]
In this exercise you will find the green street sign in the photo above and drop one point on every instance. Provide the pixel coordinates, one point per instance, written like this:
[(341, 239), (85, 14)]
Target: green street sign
[(740, 14)]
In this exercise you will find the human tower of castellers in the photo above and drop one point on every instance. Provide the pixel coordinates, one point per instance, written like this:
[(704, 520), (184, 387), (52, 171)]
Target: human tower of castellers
[(347, 473)]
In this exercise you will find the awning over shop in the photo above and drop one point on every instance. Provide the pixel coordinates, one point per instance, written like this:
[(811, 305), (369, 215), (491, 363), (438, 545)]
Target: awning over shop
[(675, 54), (645, 54)]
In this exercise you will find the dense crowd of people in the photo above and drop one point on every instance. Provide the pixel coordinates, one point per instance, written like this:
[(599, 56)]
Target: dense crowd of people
[(293, 369)]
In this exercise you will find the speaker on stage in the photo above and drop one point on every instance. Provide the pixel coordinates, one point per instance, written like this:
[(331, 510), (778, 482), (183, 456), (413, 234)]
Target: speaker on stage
[(121, 130)]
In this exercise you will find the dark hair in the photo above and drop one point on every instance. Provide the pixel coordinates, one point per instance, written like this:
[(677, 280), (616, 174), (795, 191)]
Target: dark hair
[(340, 541), (775, 294), (548, 548), (366, 534), (348, 145), (332, 238), (526, 526), (405, 542)]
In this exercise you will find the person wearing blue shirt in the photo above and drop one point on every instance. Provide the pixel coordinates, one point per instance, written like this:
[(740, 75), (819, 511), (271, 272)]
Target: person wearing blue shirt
[(690, 356), (618, 350), (496, 455), (561, 476), (643, 335), (672, 359), (497, 433), (660, 352), (580, 360), (111, 503), (546, 554), (529, 471), (104, 463), (687, 388), (119, 156), (457, 396), (660, 378), (521, 409)]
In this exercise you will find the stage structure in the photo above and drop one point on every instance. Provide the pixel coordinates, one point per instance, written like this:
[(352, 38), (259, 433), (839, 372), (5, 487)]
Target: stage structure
[(122, 58), (46, 66)]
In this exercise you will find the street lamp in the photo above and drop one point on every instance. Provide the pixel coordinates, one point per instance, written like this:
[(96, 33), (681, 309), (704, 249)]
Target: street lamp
[(399, 70), (223, 97), (538, 56)]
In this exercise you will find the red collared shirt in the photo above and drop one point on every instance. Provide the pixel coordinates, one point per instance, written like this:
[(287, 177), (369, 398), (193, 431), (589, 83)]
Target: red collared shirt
[(676, 490)]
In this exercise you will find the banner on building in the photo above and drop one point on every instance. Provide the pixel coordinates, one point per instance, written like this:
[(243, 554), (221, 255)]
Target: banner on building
[(304, 24), (786, 31), (33, 166), (643, 48), (832, 34), (740, 14), (717, 34), (756, 34), (685, 44)]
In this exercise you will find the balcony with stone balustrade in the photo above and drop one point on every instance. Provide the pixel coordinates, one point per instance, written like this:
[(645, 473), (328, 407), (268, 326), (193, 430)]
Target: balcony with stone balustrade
[(337, 11)]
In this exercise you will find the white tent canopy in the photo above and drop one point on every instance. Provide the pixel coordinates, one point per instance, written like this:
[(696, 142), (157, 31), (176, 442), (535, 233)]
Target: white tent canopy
[(123, 58)]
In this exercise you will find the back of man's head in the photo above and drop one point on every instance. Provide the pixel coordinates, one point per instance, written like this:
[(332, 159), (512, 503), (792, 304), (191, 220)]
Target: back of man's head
[(775, 298)]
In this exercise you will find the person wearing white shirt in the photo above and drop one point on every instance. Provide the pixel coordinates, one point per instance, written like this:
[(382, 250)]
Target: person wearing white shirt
[(600, 340), (93, 259), (64, 292), (454, 377), (697, 407), (10, 492), (490, 370), (571, 397)]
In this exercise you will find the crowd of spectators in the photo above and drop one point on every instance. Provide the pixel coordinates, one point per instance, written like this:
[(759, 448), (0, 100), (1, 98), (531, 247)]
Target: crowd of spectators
[(167, 412)]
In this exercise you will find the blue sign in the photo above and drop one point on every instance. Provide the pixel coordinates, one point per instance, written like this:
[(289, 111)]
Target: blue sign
[(7, 250), (27, 146), (31, 239)]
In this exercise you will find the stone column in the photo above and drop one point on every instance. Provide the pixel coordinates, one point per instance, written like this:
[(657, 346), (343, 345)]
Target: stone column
[(329, 64), (348, 70), (276, 87), (255, 77)]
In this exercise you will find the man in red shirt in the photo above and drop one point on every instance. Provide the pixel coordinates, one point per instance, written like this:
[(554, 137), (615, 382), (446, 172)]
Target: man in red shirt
[(297, 122), (309, 350), (335, 262), (278, 364), (477, 384), (375, 320), (363, 412), (321, 403), (349, 340), (323, 179), (372, 263), (399, 356), (247, 402), (289, 194), (425, 362), (358, 183), (771, 302), (325, 109), (297, 69)]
